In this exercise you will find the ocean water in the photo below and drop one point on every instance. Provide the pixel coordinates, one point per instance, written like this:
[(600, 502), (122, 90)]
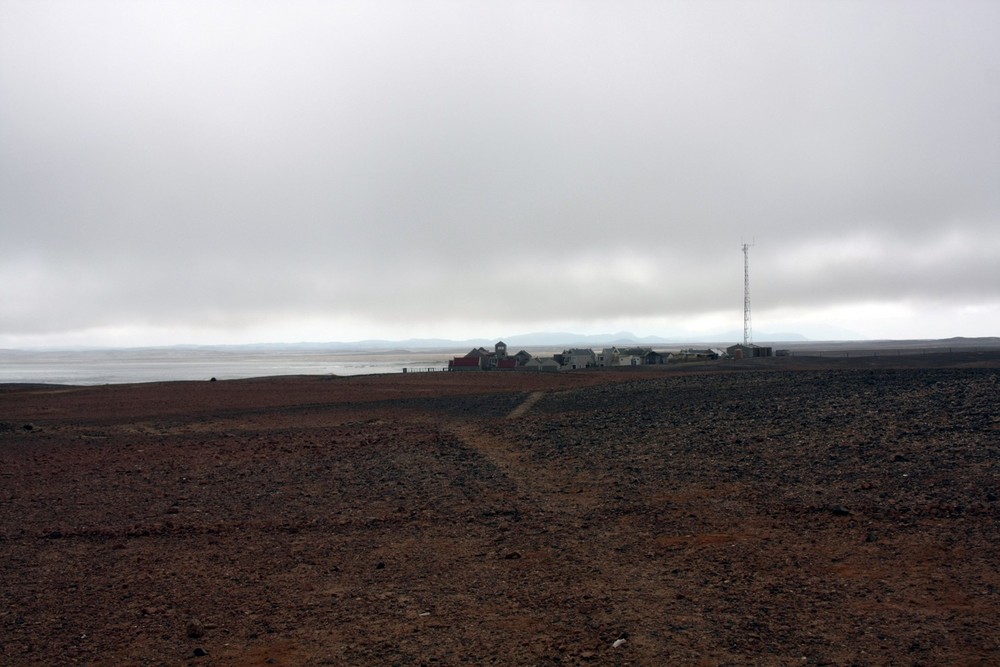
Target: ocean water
[(93, 367)]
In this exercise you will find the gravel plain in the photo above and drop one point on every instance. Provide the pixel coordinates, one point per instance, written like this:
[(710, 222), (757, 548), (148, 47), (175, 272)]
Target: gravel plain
[(793, 512)]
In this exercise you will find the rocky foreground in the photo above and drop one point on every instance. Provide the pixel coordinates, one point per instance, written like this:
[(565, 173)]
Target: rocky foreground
[(755, 514)]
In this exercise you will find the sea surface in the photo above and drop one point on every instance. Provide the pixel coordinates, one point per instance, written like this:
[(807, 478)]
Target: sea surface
[(94, 367)]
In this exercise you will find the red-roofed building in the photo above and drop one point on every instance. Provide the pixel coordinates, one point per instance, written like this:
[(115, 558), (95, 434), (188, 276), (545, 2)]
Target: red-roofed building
[(465, 364)]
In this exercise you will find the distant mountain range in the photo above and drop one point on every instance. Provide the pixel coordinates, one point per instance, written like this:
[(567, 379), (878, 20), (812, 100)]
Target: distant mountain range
[(564, 340), (536, 339), (555, 340)]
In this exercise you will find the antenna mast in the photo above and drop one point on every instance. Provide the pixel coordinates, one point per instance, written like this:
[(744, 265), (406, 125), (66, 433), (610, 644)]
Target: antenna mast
[(747, 329)]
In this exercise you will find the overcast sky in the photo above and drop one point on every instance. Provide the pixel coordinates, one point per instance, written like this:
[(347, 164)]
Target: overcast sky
[(224, 172)]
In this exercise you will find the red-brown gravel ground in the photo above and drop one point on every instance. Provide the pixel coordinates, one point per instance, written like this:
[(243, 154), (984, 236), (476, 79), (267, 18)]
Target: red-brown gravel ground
[(785, 512)]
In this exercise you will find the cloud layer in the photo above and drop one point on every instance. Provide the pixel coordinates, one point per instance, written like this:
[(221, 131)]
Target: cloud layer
[(228, 171)]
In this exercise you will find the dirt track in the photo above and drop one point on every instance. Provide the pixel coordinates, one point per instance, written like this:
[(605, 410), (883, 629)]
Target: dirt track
[(748, 515)]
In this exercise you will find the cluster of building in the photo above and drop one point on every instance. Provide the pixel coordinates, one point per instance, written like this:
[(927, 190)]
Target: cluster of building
[(481, 359)]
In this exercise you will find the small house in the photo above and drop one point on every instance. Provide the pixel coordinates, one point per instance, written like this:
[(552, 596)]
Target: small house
[(540, 365), (750, 351), (578, 358), (466, 364)]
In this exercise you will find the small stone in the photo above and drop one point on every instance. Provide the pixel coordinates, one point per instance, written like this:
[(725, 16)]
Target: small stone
[(200, 652), (841, 511), (195, 629)]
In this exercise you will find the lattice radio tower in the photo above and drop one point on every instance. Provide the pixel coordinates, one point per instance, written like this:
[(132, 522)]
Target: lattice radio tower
[(747, 329)]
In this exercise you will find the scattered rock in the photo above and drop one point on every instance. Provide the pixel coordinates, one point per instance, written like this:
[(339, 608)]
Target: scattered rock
[(200, 652), (195, 629), (840, 511)]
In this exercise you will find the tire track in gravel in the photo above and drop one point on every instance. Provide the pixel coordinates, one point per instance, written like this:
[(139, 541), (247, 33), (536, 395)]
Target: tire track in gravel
[(559, 529), (557, 488), (526, 405)]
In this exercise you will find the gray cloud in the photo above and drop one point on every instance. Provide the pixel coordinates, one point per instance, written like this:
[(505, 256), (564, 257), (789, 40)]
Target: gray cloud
[(447, 168)]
